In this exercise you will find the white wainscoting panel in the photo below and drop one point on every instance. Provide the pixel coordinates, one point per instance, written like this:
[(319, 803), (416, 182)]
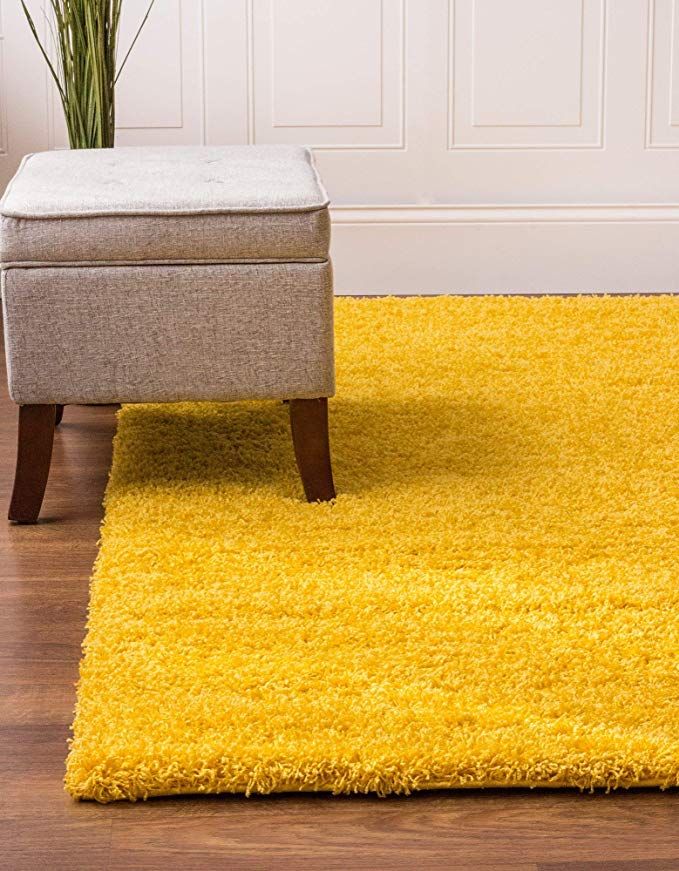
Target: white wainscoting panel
[(467, 145), (3, 85), (498, 249), (328, 73), (157, 61), (526, 73), (663, 74), (526, 60), (326, 63), (226, 71), (161, 98)]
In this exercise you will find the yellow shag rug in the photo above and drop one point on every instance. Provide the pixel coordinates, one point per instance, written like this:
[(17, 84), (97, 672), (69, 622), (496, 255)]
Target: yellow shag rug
[(492, 600)]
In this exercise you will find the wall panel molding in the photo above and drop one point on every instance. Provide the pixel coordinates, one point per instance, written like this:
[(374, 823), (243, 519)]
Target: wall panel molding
[(662, 111), (337, 56), (158, 61), (225, 40), (525, 74), (354, 100), (3, 87), (172, 108), (505, 249), (515, 213)]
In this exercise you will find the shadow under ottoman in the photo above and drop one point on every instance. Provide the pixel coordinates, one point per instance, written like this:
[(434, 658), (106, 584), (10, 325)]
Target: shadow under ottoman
[(166, 275)]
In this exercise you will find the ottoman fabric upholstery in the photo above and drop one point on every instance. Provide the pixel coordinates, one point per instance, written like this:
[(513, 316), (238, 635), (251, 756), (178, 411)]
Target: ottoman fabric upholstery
[(252, 203), (167, 274), (119, 239), (169, 333)]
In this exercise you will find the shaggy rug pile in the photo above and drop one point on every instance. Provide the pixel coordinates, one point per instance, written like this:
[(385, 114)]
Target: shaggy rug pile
[(492, 599)]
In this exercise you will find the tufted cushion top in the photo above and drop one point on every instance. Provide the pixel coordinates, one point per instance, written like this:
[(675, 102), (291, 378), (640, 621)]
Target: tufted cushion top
[(172, 204)]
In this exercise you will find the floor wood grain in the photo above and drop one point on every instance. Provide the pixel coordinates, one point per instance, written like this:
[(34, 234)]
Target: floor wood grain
[(44, 572)]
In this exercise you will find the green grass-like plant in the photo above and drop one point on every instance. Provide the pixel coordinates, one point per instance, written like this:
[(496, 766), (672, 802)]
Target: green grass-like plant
[(85, 34)]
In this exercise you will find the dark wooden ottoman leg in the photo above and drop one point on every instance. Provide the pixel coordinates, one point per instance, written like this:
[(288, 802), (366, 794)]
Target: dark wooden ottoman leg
[(34, 452), (309, 424), (59, 415)]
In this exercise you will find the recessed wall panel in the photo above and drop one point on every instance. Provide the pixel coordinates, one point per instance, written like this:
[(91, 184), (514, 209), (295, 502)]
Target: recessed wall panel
[(526, 73), (527, 63), (663, 74), (149, 90), (3, 95), (328, 74), (327, 63)]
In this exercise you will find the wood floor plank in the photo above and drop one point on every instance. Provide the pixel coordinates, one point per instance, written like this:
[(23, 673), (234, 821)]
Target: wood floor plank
[(350, 858), (631, 865), (44, 575), (81, 854), (492, 826)]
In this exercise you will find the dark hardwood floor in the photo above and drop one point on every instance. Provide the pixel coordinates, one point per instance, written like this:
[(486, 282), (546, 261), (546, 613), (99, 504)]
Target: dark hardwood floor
[(43, 601)]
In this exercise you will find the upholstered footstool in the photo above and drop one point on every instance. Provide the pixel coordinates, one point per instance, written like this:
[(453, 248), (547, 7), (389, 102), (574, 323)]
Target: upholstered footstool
[(166, 275)]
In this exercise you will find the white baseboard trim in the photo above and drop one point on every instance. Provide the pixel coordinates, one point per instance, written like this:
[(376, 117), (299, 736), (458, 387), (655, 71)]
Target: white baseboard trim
[(406, 249)]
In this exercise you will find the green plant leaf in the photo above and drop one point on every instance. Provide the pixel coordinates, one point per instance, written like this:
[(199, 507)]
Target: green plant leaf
[(85, 38)]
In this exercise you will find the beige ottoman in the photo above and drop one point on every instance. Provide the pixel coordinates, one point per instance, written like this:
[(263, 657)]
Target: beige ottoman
[(165, 275)]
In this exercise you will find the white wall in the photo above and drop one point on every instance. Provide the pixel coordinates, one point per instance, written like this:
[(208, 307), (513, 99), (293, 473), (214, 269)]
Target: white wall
[(468, 145)]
